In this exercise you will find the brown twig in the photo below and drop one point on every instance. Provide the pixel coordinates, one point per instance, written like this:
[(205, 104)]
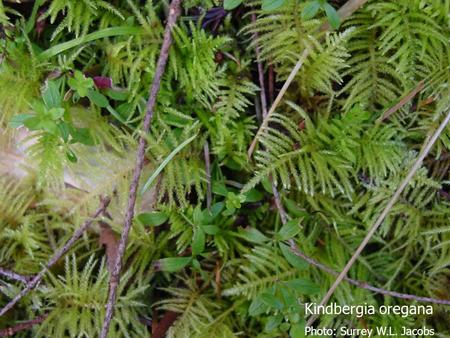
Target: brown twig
[(425, 150), (174, 12), (278, 204), (404, 100), (280, 95), (11, 331), (159, 329), (263, 98), (365, 285), (262, 92), (56, 256), (344, 12), (14, 275), (208, 175), (271, 83)]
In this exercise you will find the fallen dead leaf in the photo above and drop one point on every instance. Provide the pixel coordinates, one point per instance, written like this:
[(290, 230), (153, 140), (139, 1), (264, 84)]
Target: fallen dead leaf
[(110, 240)]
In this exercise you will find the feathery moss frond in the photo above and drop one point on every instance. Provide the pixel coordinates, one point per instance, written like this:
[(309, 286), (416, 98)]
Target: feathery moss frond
[(193, 63), (77, 298), (79, 15), (322, 157)]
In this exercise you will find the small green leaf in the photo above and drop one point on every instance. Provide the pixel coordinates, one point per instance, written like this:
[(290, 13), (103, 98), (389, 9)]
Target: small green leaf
[(39, 108), (118, 95), (71, 156), (48, 125), (272, 301), (289, 230), (164, 163), (229, 212), (80, 83), (284, 326), (270, 5), (290, 298), (197, 216), (273, 322), (211, 229), (196, 264), (124, 109), (298, 330), (97, 98), (233, 201), (267, 185), (253, 235), (310, 9), (198, 241), (33, 123), (253, 195), (303, 286), (115, 114), (216, 208), (257, 307), (98, 34), (51, 95), (55, 113), (154, 218), (219, 188), (294, 209), (210, 215), (18, 120), (83, 136), (294, 317), (292, 258), (332, 15), (232, 164), (231, 4), (64, 130), (172, 264)]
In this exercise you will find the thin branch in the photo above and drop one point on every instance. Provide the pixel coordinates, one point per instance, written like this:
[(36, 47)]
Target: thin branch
[(365, 285), (278, 204), (280, 95), (208, 175), (235, 184), (11, 331), (344, 12), (404, 100), (14, 275), (56, 256), (262, 92), (174, 12), (426, 149), (271, 84), (263, 97)]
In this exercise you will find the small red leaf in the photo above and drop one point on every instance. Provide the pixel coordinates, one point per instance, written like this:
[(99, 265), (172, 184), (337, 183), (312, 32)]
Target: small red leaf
[(40, 23), (103, 82)]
